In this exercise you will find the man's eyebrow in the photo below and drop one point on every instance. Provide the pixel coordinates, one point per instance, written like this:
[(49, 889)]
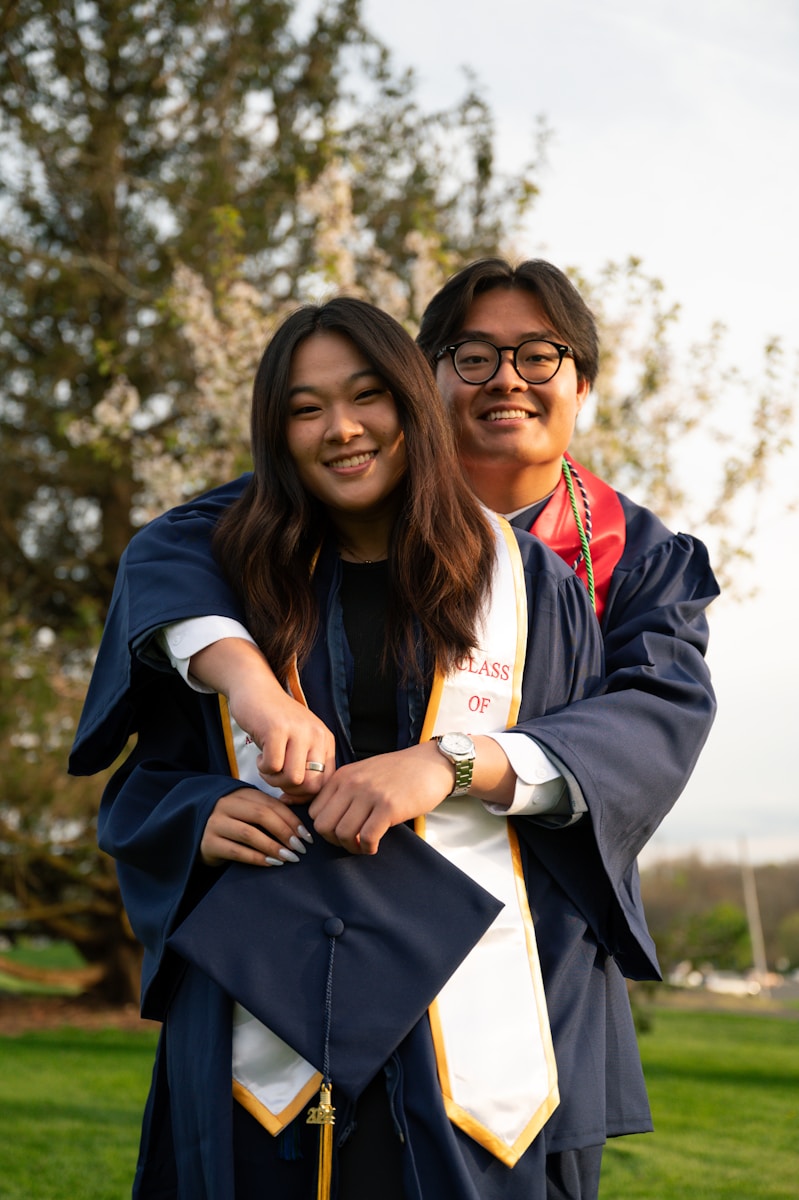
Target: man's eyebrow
[(316, 389), (480, 335)]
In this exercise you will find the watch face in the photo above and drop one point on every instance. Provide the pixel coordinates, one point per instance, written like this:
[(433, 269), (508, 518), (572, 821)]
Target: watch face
[(457, 743)]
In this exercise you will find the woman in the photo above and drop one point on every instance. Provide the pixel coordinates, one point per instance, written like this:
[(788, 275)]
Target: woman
[(376, 584)]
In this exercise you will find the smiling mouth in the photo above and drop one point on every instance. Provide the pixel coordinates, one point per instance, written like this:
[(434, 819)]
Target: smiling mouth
[(508, 414), (355, 460)]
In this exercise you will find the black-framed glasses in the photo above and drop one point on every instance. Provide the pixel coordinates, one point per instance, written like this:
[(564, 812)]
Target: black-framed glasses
[(535, 361)]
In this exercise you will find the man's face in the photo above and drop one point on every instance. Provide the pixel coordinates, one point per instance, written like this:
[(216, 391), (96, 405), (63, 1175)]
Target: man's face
[(511, 434)]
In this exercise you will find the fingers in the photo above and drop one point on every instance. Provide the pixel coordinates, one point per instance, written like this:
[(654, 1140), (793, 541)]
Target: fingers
[(247, 826), (361, 801), (288, 745), (286, 765), (355, 820)]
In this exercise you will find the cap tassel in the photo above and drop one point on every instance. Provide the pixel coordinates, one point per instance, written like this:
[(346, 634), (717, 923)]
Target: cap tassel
[(324, 1114)]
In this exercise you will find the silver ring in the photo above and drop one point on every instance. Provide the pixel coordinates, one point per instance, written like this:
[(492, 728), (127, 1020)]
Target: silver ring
[(314, 766)]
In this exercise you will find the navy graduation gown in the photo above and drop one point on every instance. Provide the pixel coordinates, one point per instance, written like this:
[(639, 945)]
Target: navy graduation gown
[(152, 817)]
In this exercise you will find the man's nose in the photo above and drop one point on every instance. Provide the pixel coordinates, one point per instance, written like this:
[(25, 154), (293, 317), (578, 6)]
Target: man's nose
[(506, 375)]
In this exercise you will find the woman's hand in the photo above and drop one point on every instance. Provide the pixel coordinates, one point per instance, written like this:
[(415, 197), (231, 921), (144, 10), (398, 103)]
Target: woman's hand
[(249, 826)]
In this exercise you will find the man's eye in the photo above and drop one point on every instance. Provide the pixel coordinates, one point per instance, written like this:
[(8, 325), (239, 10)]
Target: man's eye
[(536, 353)]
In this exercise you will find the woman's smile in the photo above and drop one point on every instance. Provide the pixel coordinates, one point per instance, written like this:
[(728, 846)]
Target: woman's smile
[(355, 460)]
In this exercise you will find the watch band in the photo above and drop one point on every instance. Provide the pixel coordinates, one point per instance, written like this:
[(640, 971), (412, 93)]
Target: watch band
[(463, 776)]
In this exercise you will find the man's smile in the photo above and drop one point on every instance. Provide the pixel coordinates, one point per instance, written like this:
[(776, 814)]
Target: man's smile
[(507, 414)]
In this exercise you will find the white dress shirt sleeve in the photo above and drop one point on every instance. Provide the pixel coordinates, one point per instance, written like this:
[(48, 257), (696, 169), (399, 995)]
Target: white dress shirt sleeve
[(185, 638), (540, 787)]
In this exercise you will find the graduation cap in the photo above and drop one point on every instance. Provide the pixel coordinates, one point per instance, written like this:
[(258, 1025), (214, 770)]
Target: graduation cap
[(339, 955)]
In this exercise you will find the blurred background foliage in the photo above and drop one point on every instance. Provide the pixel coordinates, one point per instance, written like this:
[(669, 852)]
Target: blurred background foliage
[(174, 176)]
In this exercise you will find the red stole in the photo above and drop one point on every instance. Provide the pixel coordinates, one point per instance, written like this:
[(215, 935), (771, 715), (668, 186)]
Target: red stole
[(557, 527)]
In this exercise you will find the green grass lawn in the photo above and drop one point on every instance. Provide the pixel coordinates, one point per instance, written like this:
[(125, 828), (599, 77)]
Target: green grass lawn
[(724, 1091), (70, 1112)]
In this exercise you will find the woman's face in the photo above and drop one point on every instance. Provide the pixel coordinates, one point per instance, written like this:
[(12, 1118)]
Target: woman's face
[(343, 430)]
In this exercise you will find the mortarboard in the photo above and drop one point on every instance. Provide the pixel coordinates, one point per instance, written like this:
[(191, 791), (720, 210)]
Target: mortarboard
[(401, 920)]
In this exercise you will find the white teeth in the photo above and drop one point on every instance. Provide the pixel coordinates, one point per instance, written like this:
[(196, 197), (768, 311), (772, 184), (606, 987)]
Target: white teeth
[(508, 414), (357, 460)]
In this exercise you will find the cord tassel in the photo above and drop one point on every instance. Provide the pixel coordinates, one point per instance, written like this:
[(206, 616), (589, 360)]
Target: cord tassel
[(324, 1115)]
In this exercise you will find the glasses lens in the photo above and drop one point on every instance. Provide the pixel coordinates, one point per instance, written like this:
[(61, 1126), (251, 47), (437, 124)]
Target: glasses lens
[(476, 361), (537, 361)]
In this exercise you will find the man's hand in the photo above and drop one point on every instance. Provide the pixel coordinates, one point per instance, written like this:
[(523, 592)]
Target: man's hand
[(287, 733)]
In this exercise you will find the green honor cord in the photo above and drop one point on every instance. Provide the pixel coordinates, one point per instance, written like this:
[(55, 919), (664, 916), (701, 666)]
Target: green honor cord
[(589, 566)]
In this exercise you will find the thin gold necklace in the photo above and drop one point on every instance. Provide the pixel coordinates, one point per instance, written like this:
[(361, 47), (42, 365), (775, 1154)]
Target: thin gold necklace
[(367, 562)]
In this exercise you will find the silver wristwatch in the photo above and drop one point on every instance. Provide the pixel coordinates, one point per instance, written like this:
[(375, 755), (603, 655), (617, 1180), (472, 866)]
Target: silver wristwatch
[(459, 749)]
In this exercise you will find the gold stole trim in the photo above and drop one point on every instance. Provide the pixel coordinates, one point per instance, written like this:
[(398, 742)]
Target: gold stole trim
[(274, 1123)]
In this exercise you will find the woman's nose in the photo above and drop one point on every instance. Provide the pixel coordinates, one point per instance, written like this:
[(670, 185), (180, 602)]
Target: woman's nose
[(343, 424)]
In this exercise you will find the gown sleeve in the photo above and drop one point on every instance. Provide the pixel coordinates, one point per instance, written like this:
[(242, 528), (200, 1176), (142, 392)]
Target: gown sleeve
[(151, 821), (632, 748), (172, 574), (166, 574)]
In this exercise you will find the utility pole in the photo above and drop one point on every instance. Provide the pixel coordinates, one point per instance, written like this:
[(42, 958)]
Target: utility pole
[(753, 918)]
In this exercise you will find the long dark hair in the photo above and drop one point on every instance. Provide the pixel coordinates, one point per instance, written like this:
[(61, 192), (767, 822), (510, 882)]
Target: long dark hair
[(441, 549), (446, 314)]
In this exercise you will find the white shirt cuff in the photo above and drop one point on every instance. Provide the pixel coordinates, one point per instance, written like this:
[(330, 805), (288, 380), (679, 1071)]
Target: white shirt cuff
[(185, 638), (540, 787)]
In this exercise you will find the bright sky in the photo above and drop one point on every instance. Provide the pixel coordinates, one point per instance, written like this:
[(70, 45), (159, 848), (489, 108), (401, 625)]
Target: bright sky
[(675, 133)]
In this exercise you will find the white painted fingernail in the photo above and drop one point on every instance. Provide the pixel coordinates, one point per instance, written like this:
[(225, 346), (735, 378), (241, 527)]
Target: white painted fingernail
[(304, 834), (296, 844), (273, 862), (289, 856)]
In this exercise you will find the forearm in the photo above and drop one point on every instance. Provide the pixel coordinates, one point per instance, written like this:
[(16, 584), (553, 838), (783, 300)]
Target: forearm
[(493, 777), (233, 664)]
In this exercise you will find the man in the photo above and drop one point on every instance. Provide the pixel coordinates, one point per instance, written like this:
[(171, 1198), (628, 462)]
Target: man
[(515, 353)]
